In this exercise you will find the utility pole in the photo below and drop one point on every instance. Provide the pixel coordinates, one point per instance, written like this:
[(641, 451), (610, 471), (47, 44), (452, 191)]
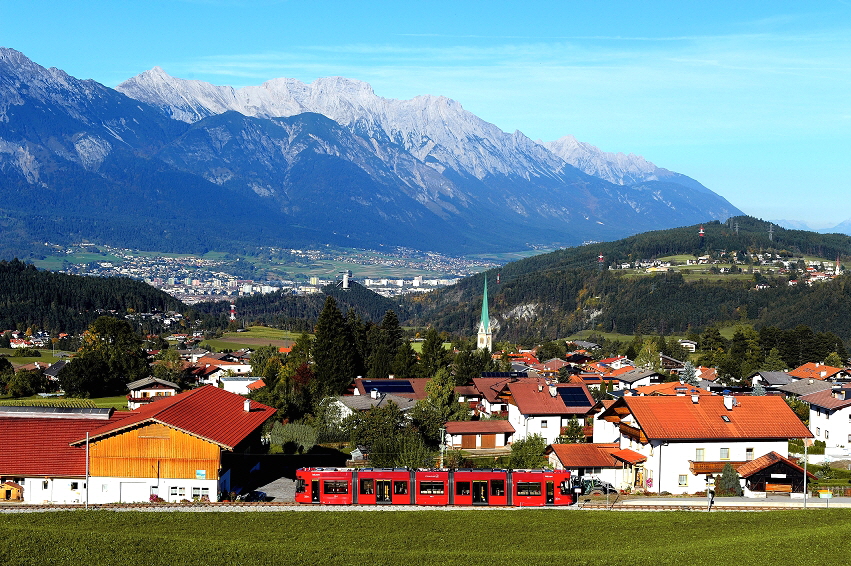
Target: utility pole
[(442, 445)]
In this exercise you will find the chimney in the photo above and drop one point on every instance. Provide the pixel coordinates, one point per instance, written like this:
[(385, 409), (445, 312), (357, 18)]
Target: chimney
[(246, 405), (695, 399), (823, 374), (540, 387), (728, 402), (810, 381), (552, 389), (373, 393)]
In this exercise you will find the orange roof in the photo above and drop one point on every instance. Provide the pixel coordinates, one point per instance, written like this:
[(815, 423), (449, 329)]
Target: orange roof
[(285, 349), (533, 397), (814, 370), (586, 455), (479, 427), (208, 412), (670, 388), (674, 417), (255, 385), (620, 371), (629, 456), (707, 374), (750, 468)]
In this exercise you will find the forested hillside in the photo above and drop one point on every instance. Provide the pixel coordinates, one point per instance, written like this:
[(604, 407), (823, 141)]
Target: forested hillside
[(57, 302), (297, 313), (556, 294)]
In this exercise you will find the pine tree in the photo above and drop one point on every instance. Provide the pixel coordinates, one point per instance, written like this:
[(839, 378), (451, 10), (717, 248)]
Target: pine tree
[(333, 350), (434, 356), (689, 374)]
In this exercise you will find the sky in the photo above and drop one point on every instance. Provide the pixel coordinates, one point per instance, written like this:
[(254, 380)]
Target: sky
[(751, 98)]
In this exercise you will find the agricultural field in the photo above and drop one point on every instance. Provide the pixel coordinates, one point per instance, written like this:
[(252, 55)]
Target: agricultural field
[(118, 402), (521, 537), (45, 358), (253, 337)]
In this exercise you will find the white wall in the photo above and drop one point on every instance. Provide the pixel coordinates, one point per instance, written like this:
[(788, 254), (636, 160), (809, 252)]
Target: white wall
[(54, 490), (527, 426), (676, 455), (834, 428), (137, 490), (605, 432)]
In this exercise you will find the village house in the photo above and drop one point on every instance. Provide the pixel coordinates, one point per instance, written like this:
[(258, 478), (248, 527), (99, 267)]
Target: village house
[(536, 406), (606, 462), (471, 435), (818, 370), (688, 439), (148, 389), (830, 416)]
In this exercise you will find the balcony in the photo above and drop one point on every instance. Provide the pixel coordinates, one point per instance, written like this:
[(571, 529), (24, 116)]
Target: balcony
[(634, 433), (713, 467)]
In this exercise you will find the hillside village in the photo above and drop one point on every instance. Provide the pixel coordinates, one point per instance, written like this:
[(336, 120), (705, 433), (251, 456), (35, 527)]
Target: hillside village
[(198, 422)]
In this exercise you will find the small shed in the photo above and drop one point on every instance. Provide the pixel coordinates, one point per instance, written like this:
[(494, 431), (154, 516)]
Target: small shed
[(773, 473), (11, 491)]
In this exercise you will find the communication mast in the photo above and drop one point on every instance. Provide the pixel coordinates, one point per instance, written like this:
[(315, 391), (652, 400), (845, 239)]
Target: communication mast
[(702, 235), (771, 232), (233, 310)]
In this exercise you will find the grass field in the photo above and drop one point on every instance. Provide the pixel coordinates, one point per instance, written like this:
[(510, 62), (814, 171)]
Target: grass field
[(45, 358), (255, 336), (118, 402), (425, 538)]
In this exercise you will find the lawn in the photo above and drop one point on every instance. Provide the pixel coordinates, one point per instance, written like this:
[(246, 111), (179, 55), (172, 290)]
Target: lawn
[(118, 402), (524, 538), (45, 358), (253, 337)]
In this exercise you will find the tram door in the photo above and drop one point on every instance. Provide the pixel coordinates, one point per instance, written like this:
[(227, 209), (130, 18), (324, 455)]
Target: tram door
[(551, 493), (480, 493), (382, 491), (314, 491)]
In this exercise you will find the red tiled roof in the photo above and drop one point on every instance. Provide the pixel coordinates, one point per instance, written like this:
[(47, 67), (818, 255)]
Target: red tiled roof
[(620, 371), (750, 468), (673, 417), (670, 388), (586, 455), (825, 399), (708, 374), (479, 427), (208, 413), (41, 446), (491, 387), (532, 401), (255, 385), (629, 456), (814, 370)]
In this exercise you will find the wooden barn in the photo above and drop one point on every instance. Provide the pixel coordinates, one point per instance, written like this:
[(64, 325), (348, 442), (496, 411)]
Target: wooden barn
[(773, 473)]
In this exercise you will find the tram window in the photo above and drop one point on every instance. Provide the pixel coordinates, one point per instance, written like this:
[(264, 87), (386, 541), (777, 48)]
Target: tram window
[(400, 488), (564, 488), (336, 486), (528, 488), (498, 487), (431, 487), (367, 487), (462, 488), (300, 486)]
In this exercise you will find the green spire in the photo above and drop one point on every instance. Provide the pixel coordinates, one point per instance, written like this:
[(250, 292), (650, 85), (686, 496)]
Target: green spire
[(486, 322)]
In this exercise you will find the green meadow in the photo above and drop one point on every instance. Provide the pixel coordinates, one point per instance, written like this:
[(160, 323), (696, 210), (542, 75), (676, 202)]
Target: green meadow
[(522, 538)]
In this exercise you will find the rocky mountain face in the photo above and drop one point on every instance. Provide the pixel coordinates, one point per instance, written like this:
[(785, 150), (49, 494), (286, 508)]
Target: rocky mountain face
[(183, 164)]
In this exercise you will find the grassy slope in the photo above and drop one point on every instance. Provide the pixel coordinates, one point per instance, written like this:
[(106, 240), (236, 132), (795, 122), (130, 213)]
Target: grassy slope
[(426, 537)]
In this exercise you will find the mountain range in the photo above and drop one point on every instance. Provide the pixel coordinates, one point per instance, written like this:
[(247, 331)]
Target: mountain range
[(179, 165)]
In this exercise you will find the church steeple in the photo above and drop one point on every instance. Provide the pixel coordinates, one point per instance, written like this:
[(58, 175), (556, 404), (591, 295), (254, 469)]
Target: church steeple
[(485, 337)]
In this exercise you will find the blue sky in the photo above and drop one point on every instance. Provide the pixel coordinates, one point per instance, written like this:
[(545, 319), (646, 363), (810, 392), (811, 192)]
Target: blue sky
[(753, 99)]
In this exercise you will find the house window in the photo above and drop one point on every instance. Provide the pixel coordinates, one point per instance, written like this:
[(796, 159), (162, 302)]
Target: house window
[(725, 453), (699, 454), (172, 491), (196, 492), (748, 454), (155, 491), (826, 434), (683, 480), (44, 483), (104, 487), (75, 485), (543, 424), (205, 492), (818, 431), (181, 491)]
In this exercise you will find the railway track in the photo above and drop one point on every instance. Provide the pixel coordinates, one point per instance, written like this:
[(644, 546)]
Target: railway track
[(289, 506)]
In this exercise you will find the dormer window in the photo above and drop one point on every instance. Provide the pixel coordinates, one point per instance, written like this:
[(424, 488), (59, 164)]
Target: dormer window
[(725, 418)]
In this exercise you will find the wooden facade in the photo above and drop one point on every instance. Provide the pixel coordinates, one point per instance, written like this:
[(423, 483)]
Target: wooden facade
[(11, 491), (154, 450)]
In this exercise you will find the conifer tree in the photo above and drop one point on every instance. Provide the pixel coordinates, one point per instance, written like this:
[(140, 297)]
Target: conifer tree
[(333, 350)]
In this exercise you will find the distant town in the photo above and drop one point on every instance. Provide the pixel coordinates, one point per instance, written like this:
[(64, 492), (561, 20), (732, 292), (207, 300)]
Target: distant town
[(193, 279)]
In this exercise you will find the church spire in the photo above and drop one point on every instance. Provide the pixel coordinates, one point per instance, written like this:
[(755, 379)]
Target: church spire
[(485, 336)]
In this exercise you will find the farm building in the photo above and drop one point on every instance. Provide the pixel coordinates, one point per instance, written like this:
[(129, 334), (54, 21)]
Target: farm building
[(173, 449)]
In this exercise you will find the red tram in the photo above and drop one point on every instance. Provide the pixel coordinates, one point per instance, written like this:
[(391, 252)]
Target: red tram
[(401, 486)]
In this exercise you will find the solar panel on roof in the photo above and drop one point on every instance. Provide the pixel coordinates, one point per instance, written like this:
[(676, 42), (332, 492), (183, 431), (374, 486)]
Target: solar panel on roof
[(504, 374), (395, 386), (573, 396)]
